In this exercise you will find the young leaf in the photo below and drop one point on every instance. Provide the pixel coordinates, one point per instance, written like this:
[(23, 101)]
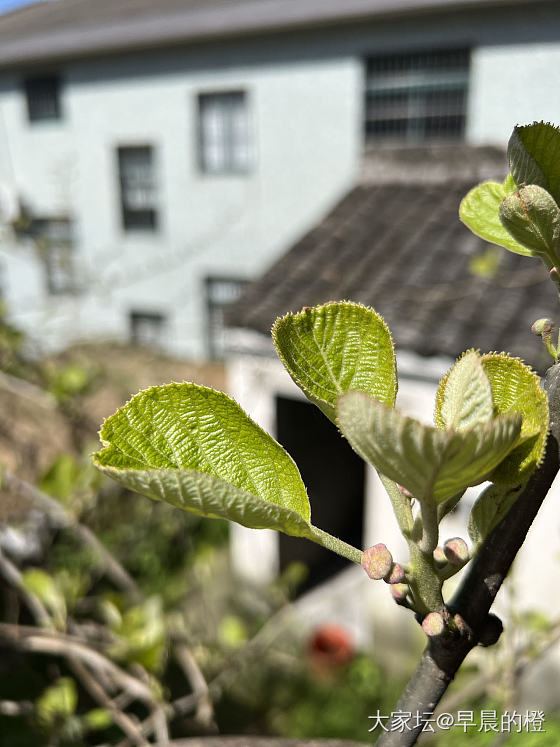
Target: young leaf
[(516, 389), (195, 448), (467, 395), (489, 509), (331, 349), (479, 211), (534, 156), (532, 217), (431, 463)]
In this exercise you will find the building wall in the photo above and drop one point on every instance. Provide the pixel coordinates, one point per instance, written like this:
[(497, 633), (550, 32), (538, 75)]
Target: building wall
[(305, 96), (305, 155)]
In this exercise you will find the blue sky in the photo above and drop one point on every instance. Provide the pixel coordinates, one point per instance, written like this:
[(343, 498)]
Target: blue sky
[(11, 4)]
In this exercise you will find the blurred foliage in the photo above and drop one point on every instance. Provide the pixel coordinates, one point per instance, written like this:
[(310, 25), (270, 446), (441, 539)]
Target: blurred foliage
[(11, 345)]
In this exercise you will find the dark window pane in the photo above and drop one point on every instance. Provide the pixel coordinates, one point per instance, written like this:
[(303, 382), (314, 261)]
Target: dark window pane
[(43, 97)]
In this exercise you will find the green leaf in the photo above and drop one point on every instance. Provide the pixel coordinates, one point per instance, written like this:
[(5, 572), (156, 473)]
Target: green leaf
[(141, 635), (516, 389), (489, 509), (479, 211), (331, 349), (466, 397), (45, 588), (429, 462), (58, 701), (534, 156), (195, 448)]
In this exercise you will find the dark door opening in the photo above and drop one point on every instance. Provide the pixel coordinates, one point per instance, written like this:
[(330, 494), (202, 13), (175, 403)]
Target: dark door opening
[(334, 476)]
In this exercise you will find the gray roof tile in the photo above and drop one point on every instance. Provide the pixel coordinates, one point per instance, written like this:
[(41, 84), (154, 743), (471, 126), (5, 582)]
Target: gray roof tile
[(402, 249)]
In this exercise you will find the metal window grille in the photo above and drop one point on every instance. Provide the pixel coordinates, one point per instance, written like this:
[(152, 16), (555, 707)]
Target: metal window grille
[(220, 291), (224, 140), (417, 96), (138, 187), (147, 329), (43, 97)]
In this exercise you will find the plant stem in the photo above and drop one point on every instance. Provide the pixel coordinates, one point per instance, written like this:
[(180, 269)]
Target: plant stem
[(336, 545), (401, 506)]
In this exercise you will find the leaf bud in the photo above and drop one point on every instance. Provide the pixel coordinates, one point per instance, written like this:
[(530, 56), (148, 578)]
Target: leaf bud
[(433, 624), (456, 551), (396, 575), (543, 327), (439, 556), (377, 561), (399, 592), (532, 217)]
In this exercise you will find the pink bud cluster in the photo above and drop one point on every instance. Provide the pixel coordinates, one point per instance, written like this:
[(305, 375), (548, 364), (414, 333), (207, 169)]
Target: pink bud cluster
[(378, 563)]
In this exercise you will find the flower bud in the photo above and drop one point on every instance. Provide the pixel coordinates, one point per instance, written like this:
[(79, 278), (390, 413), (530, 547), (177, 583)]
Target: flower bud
[(396, 575), (532, 217), (399, 592), (439, 556), (433, 624), (456, 551), (377, 561), (543, 327)]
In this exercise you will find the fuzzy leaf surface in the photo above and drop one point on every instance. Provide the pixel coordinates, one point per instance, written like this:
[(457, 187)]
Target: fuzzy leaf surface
[(431, 463), (532, 217), (467, 395), (534, 156), (334, 348), (195, 448), (516, 389), (489, 509), (479, 211)]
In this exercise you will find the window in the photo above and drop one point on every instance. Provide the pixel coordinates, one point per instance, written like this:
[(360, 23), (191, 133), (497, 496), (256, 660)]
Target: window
[(223, 127), (419, 96), (220, 291), (138, 188), (54, 238), (43, 98), (147, 329)]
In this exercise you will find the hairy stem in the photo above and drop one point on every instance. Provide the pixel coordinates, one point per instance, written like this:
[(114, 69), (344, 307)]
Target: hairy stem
[(336, 545), (401, 506)]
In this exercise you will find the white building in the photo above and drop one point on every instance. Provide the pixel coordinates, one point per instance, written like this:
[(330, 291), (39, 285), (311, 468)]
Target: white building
[(165, 152)]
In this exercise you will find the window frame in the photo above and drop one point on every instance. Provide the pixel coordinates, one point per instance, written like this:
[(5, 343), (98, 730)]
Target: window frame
[(156, 321), (150, 222), (417, 76), (215, 328), (233, 164)]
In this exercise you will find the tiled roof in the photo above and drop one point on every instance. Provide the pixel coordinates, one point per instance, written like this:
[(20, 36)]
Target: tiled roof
[(400, 247), (52, 31)]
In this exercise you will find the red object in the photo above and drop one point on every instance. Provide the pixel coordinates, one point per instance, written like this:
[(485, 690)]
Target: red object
[(330, 647)]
